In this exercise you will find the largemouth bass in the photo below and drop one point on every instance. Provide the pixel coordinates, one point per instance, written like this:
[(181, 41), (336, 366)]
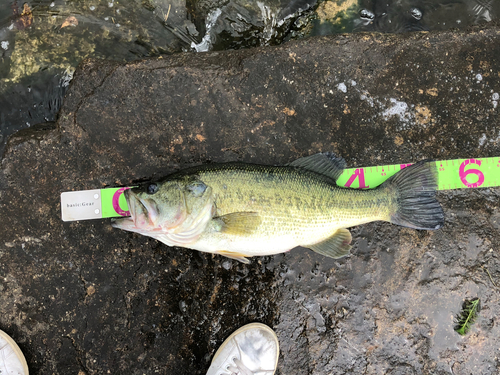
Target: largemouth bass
[(242, 210)]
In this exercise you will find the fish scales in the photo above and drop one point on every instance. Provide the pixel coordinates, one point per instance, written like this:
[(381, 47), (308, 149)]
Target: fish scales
[(291, 201)]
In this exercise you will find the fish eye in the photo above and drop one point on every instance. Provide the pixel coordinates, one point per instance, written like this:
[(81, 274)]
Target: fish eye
[(197, 188), (152, 188)]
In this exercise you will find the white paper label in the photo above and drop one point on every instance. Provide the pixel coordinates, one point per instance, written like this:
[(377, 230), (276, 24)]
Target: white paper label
[(81, 205)]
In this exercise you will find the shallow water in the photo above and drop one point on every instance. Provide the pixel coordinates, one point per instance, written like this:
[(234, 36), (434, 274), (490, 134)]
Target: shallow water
[(42, 42), (393, 16)]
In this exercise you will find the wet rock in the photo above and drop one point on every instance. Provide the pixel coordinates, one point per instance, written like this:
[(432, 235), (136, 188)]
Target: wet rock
[(81, 297)]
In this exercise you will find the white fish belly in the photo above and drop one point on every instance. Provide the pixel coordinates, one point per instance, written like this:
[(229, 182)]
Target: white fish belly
[(214, 242)]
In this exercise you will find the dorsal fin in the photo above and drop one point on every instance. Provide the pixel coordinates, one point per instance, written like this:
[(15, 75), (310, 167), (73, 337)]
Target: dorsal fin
[(324, 163)]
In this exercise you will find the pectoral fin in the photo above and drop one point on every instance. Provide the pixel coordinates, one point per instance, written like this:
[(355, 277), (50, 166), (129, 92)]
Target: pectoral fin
[(337, 246), (236, 256), (239, 223)]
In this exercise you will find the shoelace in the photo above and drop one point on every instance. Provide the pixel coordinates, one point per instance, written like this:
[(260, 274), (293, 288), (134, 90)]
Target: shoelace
[(240, 368)]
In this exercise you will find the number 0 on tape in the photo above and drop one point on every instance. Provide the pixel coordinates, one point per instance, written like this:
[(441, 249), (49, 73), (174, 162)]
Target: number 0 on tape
[(452, 174)]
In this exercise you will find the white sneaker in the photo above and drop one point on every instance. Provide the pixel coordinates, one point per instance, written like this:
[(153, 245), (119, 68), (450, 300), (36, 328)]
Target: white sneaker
[(12, 361), (251, 350)]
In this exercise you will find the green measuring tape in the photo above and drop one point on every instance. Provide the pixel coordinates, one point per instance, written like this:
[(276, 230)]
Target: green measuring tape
[(453, 174)]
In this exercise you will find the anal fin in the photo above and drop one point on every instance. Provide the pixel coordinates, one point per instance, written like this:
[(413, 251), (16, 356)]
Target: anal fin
[(337, 246), (233, 255)]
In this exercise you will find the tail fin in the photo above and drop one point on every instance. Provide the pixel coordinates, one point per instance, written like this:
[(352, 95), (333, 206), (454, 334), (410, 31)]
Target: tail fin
[(415, 188)]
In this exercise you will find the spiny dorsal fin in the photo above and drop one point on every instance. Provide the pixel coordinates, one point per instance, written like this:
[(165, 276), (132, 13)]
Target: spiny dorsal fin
[(239, 223), (324, 163), (337, 246)]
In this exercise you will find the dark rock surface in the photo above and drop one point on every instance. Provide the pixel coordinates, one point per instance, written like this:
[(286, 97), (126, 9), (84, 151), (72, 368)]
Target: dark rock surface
[(83, 298)]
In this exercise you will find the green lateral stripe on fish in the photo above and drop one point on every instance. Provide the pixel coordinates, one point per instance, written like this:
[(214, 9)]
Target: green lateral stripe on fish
[(243, 210)]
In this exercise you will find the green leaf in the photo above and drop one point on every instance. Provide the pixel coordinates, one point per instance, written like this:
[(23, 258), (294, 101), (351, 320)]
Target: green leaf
[(468, 315)]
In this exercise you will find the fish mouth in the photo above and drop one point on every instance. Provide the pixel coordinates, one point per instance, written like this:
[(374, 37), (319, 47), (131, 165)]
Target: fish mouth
[(143, 214), (138, 210)]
